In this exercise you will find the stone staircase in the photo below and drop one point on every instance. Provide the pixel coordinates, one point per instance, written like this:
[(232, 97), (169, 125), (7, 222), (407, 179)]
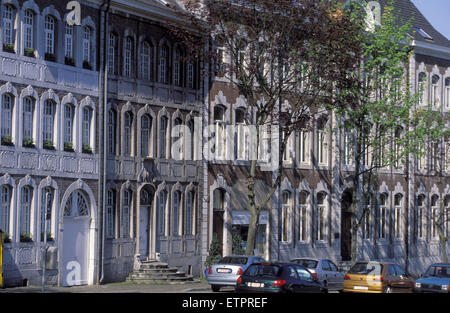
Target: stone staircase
[(158, 272)]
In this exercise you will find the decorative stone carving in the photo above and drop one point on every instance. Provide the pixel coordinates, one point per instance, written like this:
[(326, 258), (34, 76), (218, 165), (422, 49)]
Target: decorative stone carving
[(25, 256), (28, 160), (8, 159)]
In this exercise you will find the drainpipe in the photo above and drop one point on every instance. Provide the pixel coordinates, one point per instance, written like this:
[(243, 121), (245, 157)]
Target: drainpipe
[(103, 99)]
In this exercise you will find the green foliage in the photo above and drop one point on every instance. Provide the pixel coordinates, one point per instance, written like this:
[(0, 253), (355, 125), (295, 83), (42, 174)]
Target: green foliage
[(237, 243), (28, 142), (214, 252)]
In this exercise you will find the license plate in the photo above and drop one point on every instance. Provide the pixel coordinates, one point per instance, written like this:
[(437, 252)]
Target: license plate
[(256, 285), (223, 270), (360, 287)]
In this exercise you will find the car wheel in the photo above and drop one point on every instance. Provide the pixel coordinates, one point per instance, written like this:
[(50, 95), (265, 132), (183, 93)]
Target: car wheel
[(215, 288), (388, 289)]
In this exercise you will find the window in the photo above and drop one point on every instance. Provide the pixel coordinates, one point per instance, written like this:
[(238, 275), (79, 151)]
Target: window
[(285, 215), (110, 211), (422, 158), (5, 208), (7, 115), (68, 42), (220, 135), (190, 75), (382, 213), (398, 205), (76, 205), (86, 128), (447, 93), (112, 42), (28, 112), (190, 198), (241, 135), (25, 210), (48, 122), (288, 151), (347, 145), (163, 64), (163, 137), (304, 147), (176, 200), (146, 129), (434, 155), (46, 207), (126, 205), (68, 125), (87, 44), (190, 146), (322, 146), (161, 213), (366, 227), (218, 199), (111, 132), (398, 146), (128, 62), (28, 31), (447, 153), (302, 215), (177, 65), (320, 216), (422, 88), (127, 133), (8, 24), (447, 215), (435, 216), (49, 26), (146, 61), (179, 137), (420, 217), (435, 90)]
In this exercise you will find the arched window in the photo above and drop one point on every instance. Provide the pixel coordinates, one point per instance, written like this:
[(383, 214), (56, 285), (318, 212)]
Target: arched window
[(49, 28), (285, 215), (178, 139), (87, 42), (126, 208), (128, 61), (447, 93), (48, 124), (220, 135), (435, 216), (68, 44), (382, 216), (112, 131), (68, 126), (420, 217), (241, 135), (446, 215), (29, 33), (190, 75), (190, 143), (86, 130), (302, 216), (322, 146), (76, 205), (176, 201), (366, 227), (321, 216), (7, 118), (25, 210), (127, 132), (304, 147), (177, 68), (9, 16), (112, 43), (146, 61), (110, 213), (189, 216), (5, 207), (161, 213), (163, 64), (27, 120), (435, 90), (398, 206), (422, 88), (163, 123), (397, 145), (47, 196), (347, 146), (146, 130)]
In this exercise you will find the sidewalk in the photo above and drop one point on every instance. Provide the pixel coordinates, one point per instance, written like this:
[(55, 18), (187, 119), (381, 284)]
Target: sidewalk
[(124, 287)]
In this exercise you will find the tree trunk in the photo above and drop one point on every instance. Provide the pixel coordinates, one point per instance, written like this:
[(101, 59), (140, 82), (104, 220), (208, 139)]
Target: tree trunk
[(443, 244), (252, 231)]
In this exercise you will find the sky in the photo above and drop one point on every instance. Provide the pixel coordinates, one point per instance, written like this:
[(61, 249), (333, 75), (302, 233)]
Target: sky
[(437, 12)]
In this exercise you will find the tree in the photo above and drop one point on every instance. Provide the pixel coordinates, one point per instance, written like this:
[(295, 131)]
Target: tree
[(379, 113), (285, 58)]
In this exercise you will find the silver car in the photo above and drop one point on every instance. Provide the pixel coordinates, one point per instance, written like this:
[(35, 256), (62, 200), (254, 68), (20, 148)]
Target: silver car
[(325, 271), (228, 270)]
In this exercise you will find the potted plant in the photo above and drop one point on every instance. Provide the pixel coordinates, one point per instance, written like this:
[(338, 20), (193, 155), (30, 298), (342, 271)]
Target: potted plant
[(7, 141), (68, 146), (86, 65), (24, 237), (8, 47), (69, 61), (50, 57), (49, 237), (28, 143), (29, 52), (48, 144), (6, 238), (87, 149)]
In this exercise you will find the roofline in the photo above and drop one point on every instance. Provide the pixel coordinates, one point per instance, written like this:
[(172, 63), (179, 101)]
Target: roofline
[(430, 48)]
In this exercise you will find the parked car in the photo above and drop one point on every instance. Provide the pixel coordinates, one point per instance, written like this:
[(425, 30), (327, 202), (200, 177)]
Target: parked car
[(229, 268), (435, 279), (325, 271), (377, 277), (278, 278)]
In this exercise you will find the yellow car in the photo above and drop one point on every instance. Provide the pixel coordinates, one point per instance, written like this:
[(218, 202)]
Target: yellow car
[(377, 277)]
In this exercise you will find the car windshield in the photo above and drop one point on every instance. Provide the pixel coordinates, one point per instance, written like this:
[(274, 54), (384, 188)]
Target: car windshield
[(262, 270), (438, 271), (306, 263), (233, 260), (366, 268)]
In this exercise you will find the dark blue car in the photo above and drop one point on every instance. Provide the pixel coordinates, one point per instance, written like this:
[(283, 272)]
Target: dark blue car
[(278, 278), (436, 279)]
